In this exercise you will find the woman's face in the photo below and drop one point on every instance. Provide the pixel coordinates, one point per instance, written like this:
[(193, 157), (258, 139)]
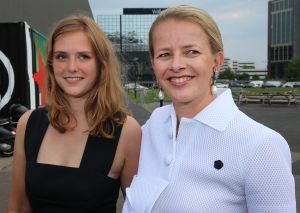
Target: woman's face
[(183, 61), (74, 64)]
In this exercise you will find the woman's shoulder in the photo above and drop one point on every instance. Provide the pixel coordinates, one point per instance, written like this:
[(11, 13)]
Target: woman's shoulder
[(29, 115), (24, 118), (131, 135), (247, 124), (131, 127), (257, 133)]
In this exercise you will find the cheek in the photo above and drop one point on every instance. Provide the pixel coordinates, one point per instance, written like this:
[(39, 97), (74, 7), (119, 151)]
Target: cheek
[(58, 67), (159, 70), (94, 75)]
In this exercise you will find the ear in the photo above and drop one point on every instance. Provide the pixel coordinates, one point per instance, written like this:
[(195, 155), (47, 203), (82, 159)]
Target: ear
[(219, 60), (152, 64)]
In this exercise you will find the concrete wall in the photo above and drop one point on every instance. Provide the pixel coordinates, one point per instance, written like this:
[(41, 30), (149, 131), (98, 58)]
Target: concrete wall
[(41, 14)]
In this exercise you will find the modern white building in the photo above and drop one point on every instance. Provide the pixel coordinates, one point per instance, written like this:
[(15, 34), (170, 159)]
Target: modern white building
[(260, 73), (244, 67)]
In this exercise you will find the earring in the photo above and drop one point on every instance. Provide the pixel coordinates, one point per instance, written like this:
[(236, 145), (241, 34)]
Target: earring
[(213, 83)]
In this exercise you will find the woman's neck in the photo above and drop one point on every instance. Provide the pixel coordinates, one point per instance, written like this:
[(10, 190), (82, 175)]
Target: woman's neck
[(190, 109)]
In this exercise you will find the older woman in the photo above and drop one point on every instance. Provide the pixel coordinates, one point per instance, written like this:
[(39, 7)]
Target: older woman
[(201, 154)]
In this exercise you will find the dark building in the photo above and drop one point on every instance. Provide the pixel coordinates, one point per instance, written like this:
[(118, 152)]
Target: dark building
[(283, 35), (40, 14), (129, 34)]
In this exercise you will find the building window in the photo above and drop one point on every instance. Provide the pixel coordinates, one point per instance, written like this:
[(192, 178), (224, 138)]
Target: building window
[(278, 28), (129, 35), (289, 23)]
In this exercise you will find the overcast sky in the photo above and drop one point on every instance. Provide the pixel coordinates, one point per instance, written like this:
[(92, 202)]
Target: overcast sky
[(243, 23)]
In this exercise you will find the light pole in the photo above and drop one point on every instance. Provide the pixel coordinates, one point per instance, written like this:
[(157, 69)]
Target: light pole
[(135, 60), (161, 97)]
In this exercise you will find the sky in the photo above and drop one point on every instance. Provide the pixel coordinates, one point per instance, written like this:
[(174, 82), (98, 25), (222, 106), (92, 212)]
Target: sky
[(243, 23)]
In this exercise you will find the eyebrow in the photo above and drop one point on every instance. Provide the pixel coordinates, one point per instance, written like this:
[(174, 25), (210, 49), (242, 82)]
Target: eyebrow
[(80, 52), (183, 47)]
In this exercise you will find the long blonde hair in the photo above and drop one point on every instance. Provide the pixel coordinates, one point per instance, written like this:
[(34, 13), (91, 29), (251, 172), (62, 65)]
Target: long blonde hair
[(106, 105)]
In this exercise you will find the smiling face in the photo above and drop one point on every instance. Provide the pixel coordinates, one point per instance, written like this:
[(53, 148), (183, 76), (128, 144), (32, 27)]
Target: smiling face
[(183, 62), (74, 64)]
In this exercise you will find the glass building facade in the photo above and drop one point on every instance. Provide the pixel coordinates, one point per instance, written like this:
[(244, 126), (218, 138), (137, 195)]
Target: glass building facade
[(129, 35), (283, 35)]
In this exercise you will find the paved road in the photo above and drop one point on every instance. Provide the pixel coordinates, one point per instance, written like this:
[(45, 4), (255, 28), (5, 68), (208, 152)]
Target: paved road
[(281, 118)]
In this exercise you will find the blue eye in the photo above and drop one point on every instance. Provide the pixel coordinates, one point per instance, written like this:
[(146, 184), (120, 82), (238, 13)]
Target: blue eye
[(60, 56), (84, 57), (192, 52)]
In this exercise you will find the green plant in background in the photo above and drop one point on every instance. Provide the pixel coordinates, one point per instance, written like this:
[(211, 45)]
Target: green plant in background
[(293, 73)]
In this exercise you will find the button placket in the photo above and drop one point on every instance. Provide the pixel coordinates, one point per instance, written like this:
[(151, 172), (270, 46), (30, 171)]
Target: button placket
[(170, 158)]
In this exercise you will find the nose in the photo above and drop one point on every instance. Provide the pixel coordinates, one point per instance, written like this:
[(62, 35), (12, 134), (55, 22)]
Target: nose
[(177, 63), (72, 65)]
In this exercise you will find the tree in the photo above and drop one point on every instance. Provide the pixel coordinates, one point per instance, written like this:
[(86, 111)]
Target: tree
[(130, 37), (293, 70), (227, 74), (243, 76)]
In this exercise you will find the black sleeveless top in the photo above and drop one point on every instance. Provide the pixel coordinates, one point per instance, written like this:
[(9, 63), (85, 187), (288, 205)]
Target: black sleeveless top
[(60, 189)]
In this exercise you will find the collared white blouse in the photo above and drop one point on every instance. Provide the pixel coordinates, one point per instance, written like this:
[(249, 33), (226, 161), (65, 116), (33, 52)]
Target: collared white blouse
[(221, 161)]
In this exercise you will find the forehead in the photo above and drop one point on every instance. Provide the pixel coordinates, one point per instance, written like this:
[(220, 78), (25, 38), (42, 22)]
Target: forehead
[(176, 29), (72, 39), (177, 23)]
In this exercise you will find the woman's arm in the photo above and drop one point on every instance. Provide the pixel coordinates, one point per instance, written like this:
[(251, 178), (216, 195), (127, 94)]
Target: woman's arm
[(131, 141), (18, 201), (269, 182)]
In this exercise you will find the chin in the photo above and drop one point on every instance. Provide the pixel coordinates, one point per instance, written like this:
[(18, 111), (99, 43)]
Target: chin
[(181, 100)]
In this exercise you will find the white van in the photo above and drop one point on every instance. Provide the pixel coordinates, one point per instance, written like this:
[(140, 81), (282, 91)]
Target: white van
[(256, 83)]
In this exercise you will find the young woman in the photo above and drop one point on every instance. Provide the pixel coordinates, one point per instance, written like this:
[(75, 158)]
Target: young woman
[(74, 154), (201, 154)]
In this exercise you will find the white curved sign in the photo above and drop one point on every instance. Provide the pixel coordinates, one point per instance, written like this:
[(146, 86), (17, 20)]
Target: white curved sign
[(11, 80)]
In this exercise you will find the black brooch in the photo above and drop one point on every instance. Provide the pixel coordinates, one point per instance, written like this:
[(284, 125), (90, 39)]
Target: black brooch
[(218, 164)]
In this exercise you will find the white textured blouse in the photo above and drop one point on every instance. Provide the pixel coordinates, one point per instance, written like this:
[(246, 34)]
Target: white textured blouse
[(222, 161)]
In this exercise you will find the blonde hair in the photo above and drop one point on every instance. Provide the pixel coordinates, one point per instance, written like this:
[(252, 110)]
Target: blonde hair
[(106, 105), (195, 15)]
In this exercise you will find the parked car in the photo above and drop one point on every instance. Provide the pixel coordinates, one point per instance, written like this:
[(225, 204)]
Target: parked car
[(222, 85), (288, 84), (248, 85), (236, 84), (271, 84), (132, 86), (297, 84), (291, 84), (257, 83)]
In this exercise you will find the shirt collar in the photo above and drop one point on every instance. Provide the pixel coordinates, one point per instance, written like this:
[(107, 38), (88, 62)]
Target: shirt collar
[(217, 114)]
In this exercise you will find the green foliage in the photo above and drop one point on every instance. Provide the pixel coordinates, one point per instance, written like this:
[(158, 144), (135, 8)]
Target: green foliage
[(293, 71), (130, 37), (227, 74), (248, 67), (244, 76), (255, 77)]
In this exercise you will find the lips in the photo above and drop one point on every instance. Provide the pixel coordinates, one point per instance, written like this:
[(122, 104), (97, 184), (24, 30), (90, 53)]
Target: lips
[(180, 80), (73, 79)]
